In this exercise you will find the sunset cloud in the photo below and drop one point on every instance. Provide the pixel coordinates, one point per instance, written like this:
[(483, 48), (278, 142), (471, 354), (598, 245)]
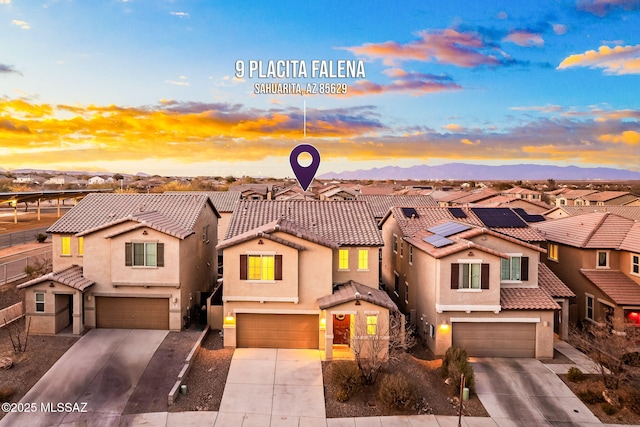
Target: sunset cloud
[(413, 83), (525, 38), (604, 7), (21, 24), (616, 60), (448, 46)]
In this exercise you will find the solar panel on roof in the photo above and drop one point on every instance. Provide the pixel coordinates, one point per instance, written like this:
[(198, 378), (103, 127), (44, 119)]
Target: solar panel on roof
[(448, 228), (527, 216), (410, 213), (437, 241), (457, 212), (499, 217)]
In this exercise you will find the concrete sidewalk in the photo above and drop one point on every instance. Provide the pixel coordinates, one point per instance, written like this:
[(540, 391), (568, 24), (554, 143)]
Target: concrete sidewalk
[(579, 359)]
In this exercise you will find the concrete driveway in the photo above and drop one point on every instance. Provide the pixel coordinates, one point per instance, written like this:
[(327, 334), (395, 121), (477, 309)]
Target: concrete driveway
[(264, 384), (523, 392), (99, 372)]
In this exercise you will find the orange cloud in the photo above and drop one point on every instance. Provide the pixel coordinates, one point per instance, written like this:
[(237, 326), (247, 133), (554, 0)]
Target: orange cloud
[(525, 38), (618, 60), (628, 137)]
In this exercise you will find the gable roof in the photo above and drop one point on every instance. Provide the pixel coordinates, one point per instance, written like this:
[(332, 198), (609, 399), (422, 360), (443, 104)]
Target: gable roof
[(575, 194), (620, 288), (352, 291), (224, 201), (345, 223), (526, 299), (631, 212), (631, 241), (380, 204), (551, 284), (597, 230), (98, 209), (153, 220), (604, 196), (70, 276)]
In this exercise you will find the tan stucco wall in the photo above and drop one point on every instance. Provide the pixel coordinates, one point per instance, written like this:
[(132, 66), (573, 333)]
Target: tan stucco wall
[(223, 224), (369, 277), (56, 305)]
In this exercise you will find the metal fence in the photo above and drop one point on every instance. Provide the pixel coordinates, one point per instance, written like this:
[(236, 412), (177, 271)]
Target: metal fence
[(16, 270), (21, 237)]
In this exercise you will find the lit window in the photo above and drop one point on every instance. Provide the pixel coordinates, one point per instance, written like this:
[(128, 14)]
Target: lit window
[(80, 245), (510, 269), (343, 259), (39, 302), (552, 252), (603, 259), (66, 245), (372, 325), (363, 259), (261, 267), (635, 264), (470, 276), (589, 307)]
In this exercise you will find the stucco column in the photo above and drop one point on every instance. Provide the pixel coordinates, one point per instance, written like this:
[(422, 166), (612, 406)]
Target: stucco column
[(78, 326), (564, 328), (328, 337)]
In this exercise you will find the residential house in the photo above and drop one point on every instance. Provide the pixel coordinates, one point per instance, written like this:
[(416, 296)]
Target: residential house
[(598, 256), (294, 192), (466, 198), (606, 198), (523, 193), (381, 204), (302, 274), (631, 212), (60, 180), (339, 193), (472, 277), (254, 191), (573, 197), (126, 261), (29, 179), (96, 180), (501, 201)]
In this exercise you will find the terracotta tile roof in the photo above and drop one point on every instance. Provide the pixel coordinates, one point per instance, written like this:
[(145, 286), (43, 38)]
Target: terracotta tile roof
[(153, 220), (520, 190), (279, 225), (352, 291), (632, 240), (338, 190), (380, 190), (474, 196), (604, 196), (346, 223), (526, 299), (428, 216), (595, 230), (574, 194), (631, 212), (620, 288), (381, 204), (224, 201), (551, 284), (96, 210), (70, 276)]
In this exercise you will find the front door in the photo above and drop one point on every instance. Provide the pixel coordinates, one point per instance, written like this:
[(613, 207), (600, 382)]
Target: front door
[(341, 329)]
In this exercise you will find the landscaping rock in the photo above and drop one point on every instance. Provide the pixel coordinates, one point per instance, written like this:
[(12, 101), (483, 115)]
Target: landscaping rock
[(6, 362)]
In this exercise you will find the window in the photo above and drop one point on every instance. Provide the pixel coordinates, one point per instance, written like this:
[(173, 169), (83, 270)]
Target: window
[(516, 268), (363, 259), (80, 245), (66, 245), (372, 324), (39, 302), (410, 254), (406, 292), (635, 264), (470, 276), (396, 284), (205, 233), (589, 307), (395, 244), (602, 259), (552, 252), (343, 259), (401, 249), (147, 254), (261, 267)]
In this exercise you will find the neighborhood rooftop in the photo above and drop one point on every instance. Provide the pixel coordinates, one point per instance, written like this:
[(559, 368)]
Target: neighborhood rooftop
[(380, 204), (598, 230), (346, 223), (224, 201), (96, 210)]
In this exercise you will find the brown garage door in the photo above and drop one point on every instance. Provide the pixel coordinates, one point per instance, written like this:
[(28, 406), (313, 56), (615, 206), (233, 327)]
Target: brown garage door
[(496, 339), (132, 313), (277, 330)]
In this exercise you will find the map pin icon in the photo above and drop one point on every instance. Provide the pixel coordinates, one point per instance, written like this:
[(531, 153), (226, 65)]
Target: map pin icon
[(304, 174)]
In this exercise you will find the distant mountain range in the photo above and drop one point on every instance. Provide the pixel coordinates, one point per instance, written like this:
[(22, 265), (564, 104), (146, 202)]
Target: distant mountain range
[(468, 172)]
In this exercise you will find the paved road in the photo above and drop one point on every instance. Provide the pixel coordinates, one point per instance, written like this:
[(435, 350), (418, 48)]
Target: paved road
[(526, 393), (101, 370)]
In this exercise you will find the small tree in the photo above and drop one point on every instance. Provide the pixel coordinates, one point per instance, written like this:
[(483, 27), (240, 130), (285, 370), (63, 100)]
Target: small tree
[(39, 266), (375, 346)]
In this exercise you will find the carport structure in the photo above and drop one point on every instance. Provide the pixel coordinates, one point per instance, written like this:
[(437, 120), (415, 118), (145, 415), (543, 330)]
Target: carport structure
[(13, 199)]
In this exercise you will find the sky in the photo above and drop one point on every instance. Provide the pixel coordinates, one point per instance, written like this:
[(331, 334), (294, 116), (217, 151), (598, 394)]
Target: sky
[(165, 87)]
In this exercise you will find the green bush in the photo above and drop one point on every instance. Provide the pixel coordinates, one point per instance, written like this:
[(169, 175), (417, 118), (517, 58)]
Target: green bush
[(346, 375), (608, 408), (590, 396), (575, 374), (396, 391), (456, 363)]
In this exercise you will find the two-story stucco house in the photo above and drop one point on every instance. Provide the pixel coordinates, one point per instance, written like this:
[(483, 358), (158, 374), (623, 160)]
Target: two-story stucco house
[(126, 261), (598, 256), (472, 278), (302, 274)]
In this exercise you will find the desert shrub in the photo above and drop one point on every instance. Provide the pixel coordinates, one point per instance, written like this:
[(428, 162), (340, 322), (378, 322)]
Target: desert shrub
[(396, 391), (590, 396), (608, 408), (454, 364), (632, 359), (6, 392), (575, 375), (347, 377), (633, 402), (41, 237)]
